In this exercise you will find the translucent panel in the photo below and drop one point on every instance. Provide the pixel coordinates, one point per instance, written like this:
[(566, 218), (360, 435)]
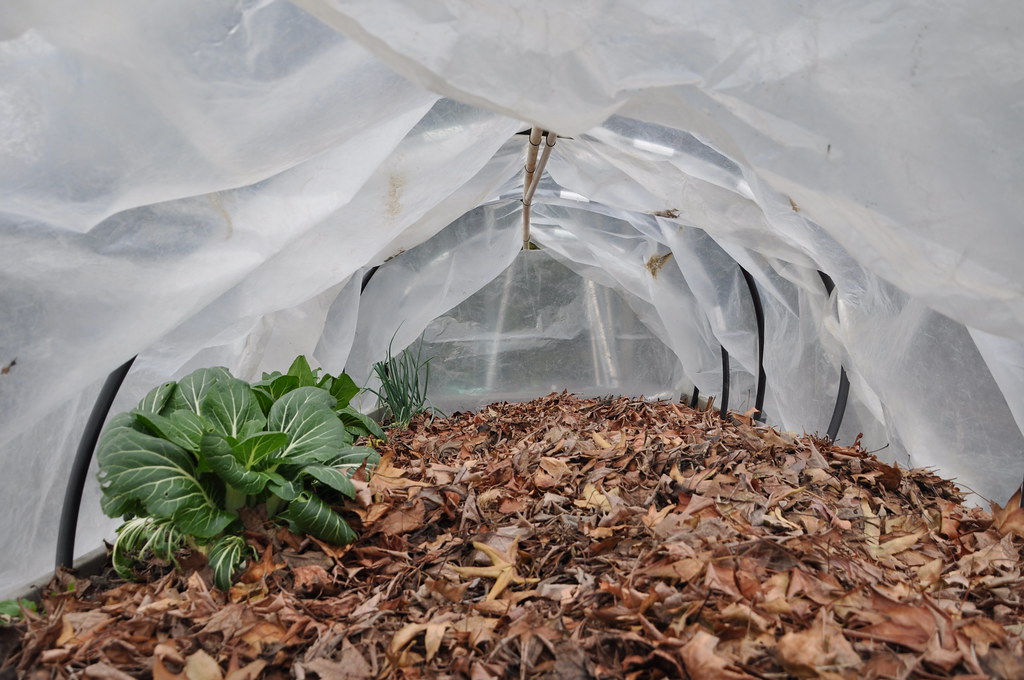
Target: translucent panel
[(940, 403), (408, 292), (540, 328)]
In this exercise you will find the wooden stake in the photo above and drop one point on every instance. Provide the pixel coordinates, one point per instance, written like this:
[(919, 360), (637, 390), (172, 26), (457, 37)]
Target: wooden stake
[(533, 172)]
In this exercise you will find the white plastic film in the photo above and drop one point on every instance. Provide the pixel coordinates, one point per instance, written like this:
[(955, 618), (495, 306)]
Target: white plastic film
[(889, 123)]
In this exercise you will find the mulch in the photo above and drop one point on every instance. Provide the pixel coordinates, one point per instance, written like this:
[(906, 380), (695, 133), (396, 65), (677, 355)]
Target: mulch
[(581, 538)]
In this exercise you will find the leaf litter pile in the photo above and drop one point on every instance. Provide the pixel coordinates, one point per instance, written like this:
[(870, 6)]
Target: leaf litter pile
[(576, 538)]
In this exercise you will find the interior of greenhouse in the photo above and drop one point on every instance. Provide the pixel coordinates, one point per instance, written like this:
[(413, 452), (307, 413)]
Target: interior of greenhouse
[(809, 215)]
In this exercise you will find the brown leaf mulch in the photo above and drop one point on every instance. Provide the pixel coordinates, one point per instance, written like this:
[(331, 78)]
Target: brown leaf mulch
[(577, 538)]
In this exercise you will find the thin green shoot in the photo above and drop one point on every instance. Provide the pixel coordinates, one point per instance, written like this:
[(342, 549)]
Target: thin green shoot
[(404, 380)]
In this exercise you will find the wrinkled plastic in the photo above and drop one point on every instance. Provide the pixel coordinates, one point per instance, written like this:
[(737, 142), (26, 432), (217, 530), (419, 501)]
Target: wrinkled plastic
[(210, 183)]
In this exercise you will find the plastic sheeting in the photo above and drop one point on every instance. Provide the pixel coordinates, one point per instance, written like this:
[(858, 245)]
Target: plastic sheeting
[(209, 182), (540, 328)]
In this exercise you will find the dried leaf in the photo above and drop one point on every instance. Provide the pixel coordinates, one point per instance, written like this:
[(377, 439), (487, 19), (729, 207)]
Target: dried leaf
[(251, 671), (911, 627), (433, 637), (201, 666), (311, 577), (555, 467), (351, 666), (1009, 520), (1000, 663), (402, 520), (260, 570), (80, 627), (263, 634), (102, 671), (677, 544), (702, 661), (929, 573), (477, 628), (590, 497), (402, 639), (805, 653), (686, 569), (896, 545)]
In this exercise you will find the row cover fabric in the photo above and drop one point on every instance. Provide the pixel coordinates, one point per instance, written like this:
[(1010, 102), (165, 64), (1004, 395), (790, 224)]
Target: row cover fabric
[(208, 183)]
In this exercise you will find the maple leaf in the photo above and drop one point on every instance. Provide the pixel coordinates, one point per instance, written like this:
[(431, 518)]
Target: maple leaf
[(1009, 520)]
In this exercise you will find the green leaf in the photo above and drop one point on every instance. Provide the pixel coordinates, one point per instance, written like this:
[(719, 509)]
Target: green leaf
[(343, 389), (193, 427), (253, 449), (307, 416), (203, 521), (252, 428), (121, 506), (225, 462), (122, 421), (183, 428), (192, 389), (272, 388), (12, 608), (312, 516), (301, 370), (229, 405), (352, 457), (360, 424), (332, 477), (289, 404), (285, 489), (226, 556), (162, 476), (157, 399), (138, 536)]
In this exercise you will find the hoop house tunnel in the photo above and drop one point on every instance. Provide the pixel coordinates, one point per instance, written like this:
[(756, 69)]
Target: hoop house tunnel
[(805, 211)]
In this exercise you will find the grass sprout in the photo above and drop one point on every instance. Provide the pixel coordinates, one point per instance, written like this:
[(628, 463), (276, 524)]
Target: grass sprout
[(403, 384)]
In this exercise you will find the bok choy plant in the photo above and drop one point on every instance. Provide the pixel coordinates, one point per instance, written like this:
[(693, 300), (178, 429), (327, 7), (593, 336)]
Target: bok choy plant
[(180, 466)]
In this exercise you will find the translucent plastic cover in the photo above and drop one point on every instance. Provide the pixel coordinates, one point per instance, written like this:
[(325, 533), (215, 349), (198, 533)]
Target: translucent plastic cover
[(213, 183)]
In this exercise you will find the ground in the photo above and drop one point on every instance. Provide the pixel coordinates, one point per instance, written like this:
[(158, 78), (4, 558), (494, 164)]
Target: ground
[(576, 538)]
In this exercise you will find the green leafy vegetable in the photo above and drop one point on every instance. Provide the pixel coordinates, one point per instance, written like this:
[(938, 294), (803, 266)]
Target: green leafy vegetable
[(180, 466), (226, 555)]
